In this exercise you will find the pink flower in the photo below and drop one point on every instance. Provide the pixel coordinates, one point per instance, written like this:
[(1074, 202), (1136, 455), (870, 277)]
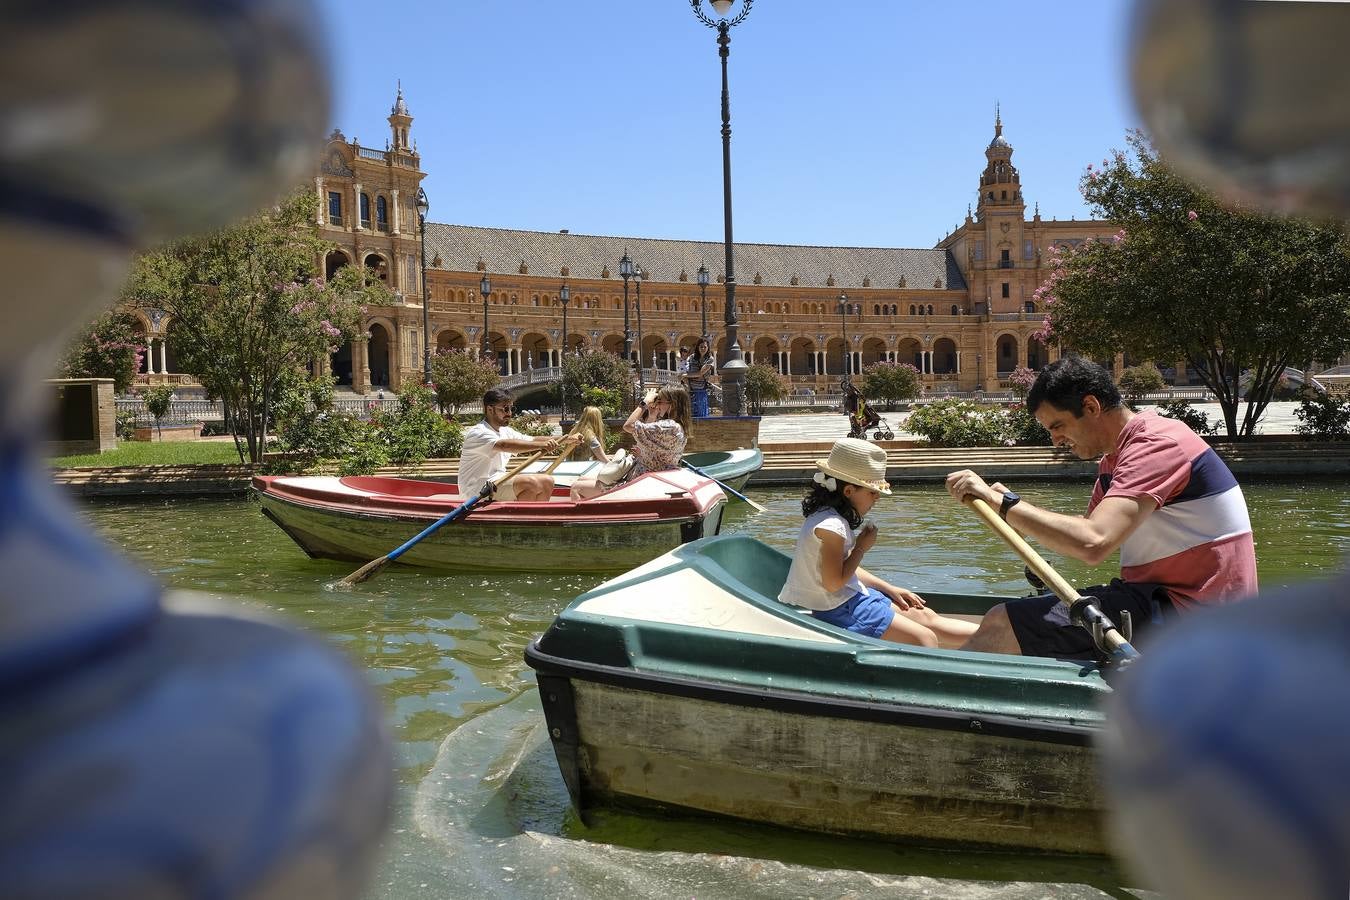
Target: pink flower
[(330, 329), (1192, 215)]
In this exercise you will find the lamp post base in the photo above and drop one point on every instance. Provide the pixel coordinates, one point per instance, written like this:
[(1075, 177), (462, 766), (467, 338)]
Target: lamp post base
[(733, 386)]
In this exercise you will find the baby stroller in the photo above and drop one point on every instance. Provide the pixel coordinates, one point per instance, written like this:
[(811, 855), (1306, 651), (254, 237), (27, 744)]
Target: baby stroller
[(862, 418)]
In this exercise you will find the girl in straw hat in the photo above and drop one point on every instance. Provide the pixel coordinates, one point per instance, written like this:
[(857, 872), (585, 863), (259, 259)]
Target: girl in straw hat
[(827, 576)]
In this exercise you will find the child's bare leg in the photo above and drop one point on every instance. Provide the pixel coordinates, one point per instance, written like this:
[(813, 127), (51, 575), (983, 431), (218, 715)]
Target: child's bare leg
[(904, 630), (951, 633)]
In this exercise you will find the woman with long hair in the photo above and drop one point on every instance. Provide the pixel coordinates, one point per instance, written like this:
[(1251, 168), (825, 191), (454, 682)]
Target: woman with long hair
[(660, 428), (701, 364)]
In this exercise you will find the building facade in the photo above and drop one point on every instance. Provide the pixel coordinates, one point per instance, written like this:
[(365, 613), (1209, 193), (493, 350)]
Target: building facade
[(963, 312)]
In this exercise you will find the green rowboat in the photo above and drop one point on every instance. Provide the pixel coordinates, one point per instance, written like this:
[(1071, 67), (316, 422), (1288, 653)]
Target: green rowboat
[(685, 684)]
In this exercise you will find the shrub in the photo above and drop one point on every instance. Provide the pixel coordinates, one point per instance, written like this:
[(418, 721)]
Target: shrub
[(157, 400), (606, 400), (596, 370), (532, 422), (763, 385), (308, 427), (1193, 418), (126, 425), (414, 431), (461, 376), (1136, 381), (1022, 429), (958, 423), (891, 382), (1323, 416)]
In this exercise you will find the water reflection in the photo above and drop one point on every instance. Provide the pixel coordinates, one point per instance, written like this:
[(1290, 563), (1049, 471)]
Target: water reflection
[(446, 652)]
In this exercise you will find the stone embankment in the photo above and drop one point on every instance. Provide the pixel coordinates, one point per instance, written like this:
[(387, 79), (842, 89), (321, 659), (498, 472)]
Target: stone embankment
[(784, 464)]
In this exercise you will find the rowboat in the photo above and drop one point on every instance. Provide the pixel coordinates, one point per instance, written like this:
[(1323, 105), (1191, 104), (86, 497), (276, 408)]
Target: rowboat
[(731, 467), (363, 517), (685, 684)]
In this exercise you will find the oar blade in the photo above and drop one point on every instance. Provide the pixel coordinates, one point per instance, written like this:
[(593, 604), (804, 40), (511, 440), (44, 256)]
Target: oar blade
[(366, 572)]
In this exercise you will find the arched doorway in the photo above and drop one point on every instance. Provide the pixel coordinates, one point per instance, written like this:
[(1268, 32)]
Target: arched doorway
[(378, 354), (376, 265), (1005, 358), (911, 351), (802, 357), (449, 339), (1037, 356), (335, 260), (944, 357), (340, 364)]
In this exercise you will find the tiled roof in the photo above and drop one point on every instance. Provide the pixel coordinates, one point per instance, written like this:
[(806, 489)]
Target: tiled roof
[(546, 252)]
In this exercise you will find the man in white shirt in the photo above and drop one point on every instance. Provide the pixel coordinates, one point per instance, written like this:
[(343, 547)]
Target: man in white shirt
[(489, 445)]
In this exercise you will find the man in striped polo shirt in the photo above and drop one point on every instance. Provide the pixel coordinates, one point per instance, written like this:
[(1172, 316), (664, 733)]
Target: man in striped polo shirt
[(1163, 497)]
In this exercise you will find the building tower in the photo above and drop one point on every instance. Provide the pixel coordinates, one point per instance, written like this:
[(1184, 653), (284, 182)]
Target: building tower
[(400, 123), (1000, 217)]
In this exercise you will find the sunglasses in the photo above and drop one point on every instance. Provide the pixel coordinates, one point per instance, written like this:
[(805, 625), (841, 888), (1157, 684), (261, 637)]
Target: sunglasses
[(506, 409)]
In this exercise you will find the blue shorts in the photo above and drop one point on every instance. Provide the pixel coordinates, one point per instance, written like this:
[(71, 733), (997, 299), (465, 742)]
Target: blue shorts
[(868, 613)]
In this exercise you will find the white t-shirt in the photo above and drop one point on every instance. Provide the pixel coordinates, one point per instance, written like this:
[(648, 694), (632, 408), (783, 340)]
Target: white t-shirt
[(803, 586), (480, 459)]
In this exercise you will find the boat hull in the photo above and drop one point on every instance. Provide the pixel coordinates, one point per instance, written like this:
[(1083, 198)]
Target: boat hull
[(600, 540), (878, 772), (685, 684)]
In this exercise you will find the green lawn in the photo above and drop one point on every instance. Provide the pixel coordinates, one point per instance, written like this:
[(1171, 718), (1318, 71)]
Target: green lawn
[(145, 453)]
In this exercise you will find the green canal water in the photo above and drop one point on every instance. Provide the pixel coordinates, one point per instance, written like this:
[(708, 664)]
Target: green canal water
[(482, 811)]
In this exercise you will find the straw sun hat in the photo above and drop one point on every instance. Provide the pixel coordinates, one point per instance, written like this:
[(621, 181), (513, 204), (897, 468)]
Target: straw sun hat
[(857, 462)]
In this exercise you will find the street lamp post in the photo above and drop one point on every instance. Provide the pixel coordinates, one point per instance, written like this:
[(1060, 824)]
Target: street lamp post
[(703, 298), (565, 295), (733, 369), (843, 324), (424, 207), (637, 303), (485, 288), (626, 272)]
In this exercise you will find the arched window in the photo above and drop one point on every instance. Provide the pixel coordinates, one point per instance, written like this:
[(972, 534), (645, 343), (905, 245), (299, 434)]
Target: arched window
[(913, 310), (1029, 306), (956, 310), (895, 310), (876, 309), (365, 210), (381, 214), (930, 309)]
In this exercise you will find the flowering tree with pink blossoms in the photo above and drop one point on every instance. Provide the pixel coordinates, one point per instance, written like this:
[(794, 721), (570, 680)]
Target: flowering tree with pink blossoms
[(107, 348), (248, 305), (1237, 293)]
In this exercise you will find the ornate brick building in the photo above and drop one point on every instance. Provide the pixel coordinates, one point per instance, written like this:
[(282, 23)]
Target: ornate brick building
[(963, 311)]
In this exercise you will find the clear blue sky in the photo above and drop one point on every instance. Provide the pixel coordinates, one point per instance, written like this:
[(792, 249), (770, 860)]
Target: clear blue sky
[(853, 123)]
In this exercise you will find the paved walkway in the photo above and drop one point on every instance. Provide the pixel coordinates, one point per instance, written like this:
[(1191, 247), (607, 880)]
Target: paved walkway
[(1278, 419)]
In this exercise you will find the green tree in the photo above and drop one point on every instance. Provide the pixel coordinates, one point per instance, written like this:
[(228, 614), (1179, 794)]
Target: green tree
[(461, 376), (249, 305), (1228, 289), (764, 384), (108, 348), (602, 374), (891, 382), (415, 431), (157, 399), (1136, 381)]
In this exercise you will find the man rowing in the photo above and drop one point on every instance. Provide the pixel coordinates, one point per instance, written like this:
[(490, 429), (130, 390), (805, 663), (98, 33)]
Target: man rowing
[(1163, 497), (489, 444)]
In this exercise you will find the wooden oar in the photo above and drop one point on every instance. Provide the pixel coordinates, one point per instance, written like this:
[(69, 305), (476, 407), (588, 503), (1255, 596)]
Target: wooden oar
[(1082, 611), (730, 490), (370, 569)]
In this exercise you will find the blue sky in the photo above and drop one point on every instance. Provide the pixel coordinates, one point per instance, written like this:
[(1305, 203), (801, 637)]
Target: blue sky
[(856, 123)]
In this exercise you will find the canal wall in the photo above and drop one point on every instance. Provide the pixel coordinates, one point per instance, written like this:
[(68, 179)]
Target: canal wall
[(785, 464)]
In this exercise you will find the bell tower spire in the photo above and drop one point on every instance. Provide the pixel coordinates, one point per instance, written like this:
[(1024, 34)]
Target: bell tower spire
[(400, 122), (1000, 185)]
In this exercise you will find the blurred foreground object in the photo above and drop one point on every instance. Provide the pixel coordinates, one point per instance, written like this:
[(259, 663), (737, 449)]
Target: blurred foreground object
[(1226, 751), (1249, 97), (151, 749)]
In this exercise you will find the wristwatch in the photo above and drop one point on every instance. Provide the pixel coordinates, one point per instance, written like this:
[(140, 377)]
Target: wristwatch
[(1009, 501)]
